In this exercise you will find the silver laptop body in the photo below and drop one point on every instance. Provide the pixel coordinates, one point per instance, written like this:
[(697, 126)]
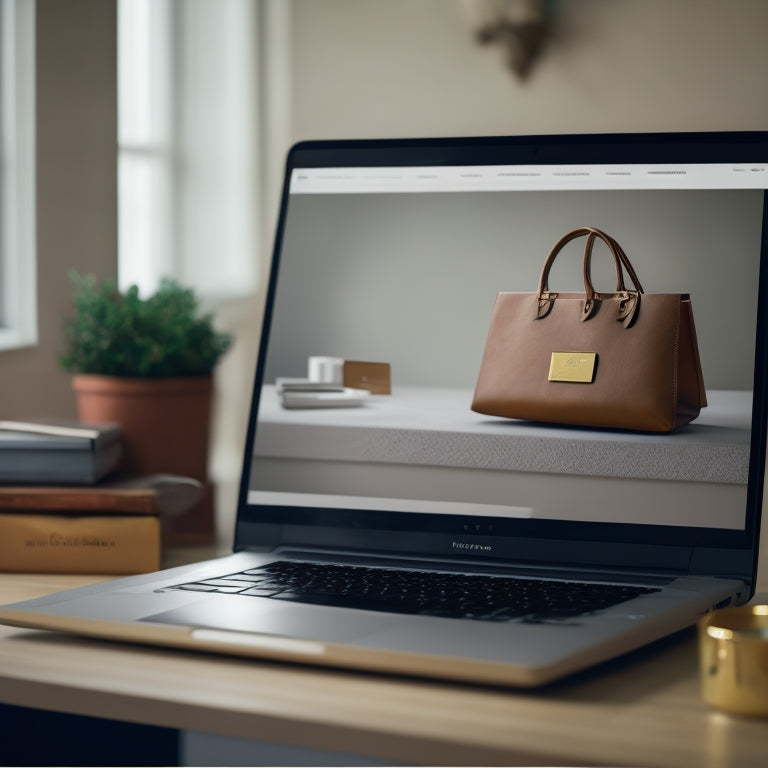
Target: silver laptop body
[(388, 255)]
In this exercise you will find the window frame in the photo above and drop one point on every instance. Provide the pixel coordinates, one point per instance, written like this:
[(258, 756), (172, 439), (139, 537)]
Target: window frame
[(189, 203), (18, 252)]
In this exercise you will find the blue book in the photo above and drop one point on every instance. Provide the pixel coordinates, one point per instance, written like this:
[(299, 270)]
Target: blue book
[(68, 453)]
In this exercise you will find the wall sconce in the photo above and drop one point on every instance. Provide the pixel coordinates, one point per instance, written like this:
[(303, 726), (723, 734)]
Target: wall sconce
[(521, 27)]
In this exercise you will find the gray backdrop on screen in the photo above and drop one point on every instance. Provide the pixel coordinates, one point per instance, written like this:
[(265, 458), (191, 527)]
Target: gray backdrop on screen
[(410, 279)]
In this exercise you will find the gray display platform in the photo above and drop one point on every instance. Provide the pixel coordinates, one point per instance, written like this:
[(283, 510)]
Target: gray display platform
[(421, 443)]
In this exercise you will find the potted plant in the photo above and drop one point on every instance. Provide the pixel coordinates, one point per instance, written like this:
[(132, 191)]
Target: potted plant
[(147, 365)]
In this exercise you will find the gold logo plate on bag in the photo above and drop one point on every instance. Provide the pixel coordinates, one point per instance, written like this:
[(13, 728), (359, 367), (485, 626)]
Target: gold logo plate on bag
[(573, 366)]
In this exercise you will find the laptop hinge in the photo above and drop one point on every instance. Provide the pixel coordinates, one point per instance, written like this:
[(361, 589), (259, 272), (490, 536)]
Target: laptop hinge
[(498, 551), (539, 570)]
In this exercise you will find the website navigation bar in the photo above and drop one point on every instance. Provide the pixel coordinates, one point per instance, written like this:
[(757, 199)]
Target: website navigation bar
[(494, 178)]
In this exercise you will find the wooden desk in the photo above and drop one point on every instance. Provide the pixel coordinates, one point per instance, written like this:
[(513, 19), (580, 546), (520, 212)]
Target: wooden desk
[(644, 709)]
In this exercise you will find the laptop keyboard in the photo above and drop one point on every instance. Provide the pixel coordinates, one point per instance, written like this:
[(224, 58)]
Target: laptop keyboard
[(432, 593)]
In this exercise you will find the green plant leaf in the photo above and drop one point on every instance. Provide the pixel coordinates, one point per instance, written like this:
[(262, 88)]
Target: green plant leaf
[(120, 334)]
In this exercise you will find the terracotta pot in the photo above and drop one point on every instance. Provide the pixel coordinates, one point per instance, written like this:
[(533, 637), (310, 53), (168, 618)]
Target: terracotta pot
[(166, 425), (166, 422)]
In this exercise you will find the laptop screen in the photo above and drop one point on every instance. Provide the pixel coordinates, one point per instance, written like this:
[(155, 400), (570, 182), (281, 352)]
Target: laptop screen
[(388, 262)]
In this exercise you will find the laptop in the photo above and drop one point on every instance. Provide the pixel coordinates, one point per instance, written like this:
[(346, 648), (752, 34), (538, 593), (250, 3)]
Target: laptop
[(384, 526)]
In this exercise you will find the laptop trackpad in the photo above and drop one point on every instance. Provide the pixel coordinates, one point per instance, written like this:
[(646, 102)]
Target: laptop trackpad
[(267, 616)]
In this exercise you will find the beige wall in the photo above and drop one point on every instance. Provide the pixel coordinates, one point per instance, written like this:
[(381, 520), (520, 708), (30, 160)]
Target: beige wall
[(411, 68), (76, 189)]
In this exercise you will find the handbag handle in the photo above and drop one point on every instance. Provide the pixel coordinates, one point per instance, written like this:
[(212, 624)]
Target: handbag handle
[(629, 300)]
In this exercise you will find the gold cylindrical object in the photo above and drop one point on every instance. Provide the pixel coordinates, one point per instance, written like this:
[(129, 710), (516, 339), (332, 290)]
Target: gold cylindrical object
[(733, 659)]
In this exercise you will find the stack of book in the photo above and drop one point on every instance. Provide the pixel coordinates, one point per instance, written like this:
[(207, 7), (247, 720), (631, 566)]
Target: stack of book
[(63, 510), (113, 527)]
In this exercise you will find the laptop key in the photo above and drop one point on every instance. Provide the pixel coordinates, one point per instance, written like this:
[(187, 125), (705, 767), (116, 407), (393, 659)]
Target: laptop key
[(227, 583), (431, 593), (261, 591)]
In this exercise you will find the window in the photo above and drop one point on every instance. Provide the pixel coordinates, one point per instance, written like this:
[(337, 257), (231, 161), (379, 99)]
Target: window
[(188, 88), (18, 297)]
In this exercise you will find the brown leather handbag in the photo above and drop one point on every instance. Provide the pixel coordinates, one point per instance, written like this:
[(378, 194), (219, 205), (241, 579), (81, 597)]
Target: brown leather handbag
[(624, 360)]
